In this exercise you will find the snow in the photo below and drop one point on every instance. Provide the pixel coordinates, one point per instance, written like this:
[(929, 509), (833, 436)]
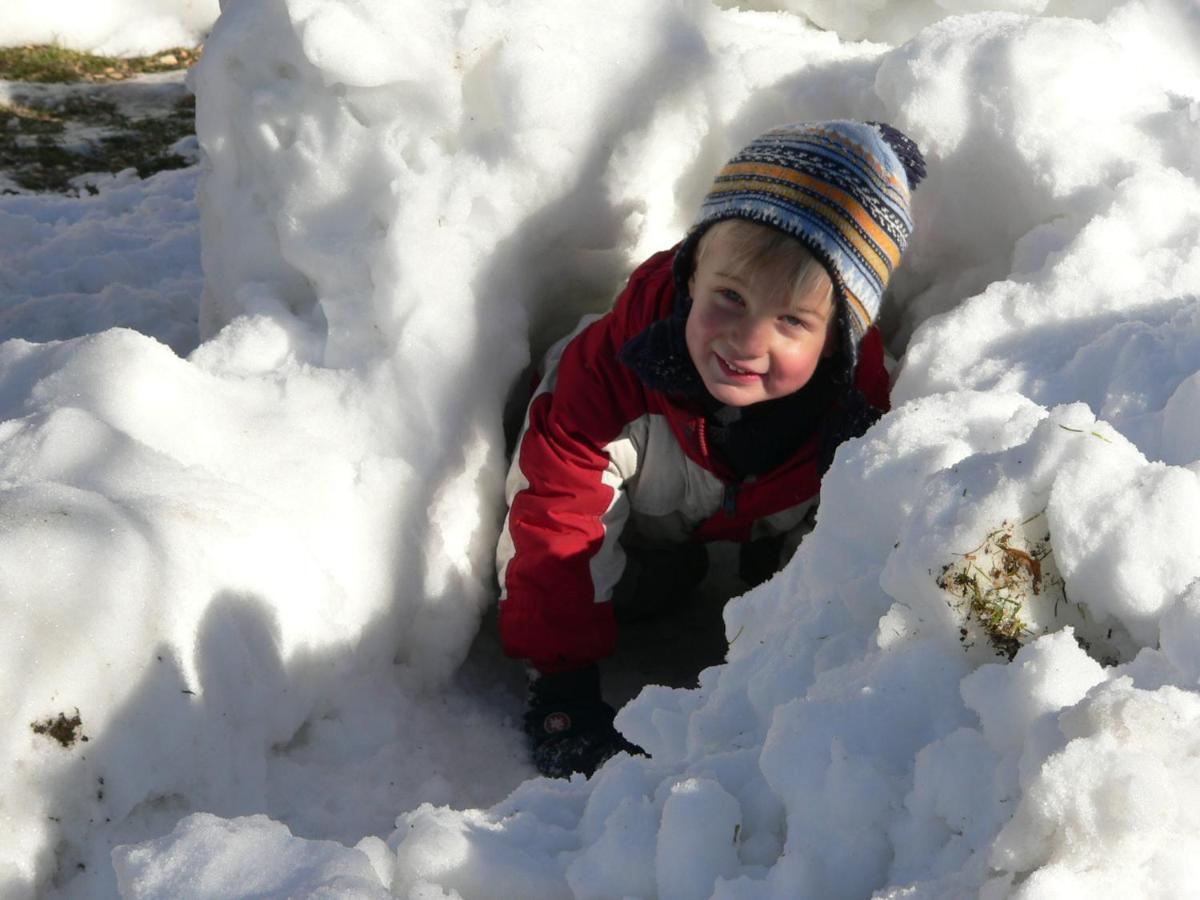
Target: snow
[(109, 27), (127, 256), (247, 535), (296, 867)]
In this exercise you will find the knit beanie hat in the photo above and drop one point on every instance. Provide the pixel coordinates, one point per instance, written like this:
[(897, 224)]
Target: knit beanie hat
[(842, 189)]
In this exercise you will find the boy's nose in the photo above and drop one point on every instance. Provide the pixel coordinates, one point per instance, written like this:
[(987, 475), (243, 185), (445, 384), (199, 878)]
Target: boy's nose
[(751, 338)]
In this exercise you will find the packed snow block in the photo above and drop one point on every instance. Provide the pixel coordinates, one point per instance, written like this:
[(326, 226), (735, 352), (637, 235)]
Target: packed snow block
[(950, 813), (210, 857), (697, 840), (473, 856), (1043, 678), (833, 757), (629, 835), (1179, 635), (1117, 796)]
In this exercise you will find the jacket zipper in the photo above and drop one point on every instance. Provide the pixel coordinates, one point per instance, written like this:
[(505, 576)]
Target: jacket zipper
[(729, 501)]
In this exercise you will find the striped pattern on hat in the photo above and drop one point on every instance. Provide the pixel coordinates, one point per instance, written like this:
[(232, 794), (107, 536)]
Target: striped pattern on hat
[(843, 189)]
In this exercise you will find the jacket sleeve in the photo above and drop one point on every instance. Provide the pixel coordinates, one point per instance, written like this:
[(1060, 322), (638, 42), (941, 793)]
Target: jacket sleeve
[(558, 557)]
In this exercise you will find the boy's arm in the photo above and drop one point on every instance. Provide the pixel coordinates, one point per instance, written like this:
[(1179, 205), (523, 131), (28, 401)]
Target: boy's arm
[(558, 557)]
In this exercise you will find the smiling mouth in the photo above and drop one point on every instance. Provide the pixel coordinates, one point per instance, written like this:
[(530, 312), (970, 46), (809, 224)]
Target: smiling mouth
[(736, 371)]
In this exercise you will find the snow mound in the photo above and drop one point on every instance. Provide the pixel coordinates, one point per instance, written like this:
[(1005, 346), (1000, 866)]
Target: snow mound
[(851, 744), (198, 556)]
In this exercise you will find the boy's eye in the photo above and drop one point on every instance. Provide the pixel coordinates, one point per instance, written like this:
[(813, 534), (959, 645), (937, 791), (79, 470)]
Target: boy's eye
[(796, 322), (732, 296)]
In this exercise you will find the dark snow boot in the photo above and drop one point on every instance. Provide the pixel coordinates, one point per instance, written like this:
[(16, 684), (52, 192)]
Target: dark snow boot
[(569, 726)]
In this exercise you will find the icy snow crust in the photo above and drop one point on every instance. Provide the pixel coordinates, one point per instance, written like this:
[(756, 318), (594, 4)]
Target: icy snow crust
[(400, 203)]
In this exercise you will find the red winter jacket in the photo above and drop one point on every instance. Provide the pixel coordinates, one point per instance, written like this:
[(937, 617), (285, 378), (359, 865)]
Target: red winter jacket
[(599, 447)]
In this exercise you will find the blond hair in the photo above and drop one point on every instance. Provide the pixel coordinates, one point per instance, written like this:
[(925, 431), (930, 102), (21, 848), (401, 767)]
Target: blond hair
[(790, 268)]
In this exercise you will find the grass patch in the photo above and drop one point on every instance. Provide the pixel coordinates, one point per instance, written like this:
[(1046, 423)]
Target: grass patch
[(49, 137), (46, 64), (33, 153), (1008, 591), (995, 584)]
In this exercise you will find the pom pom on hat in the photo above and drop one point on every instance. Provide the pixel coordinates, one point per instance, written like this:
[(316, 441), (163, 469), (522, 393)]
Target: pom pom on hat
[(906, 151)]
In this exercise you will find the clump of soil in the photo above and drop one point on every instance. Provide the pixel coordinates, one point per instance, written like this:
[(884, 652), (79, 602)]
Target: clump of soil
[(66, 730)]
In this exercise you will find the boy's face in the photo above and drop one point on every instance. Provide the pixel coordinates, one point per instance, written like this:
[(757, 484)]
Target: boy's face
[(751, 336)]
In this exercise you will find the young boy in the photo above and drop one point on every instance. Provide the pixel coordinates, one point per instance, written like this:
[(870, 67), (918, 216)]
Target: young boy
[(706, 405)]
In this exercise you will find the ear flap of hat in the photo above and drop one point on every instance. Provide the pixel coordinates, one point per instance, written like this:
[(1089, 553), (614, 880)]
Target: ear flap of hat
[(685, 262)]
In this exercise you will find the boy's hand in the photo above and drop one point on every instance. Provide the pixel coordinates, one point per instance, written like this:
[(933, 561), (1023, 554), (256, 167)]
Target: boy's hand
[(758, 560), (570, 726)]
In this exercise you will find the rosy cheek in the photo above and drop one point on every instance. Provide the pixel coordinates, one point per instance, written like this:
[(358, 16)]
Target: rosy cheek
[(701, 321), (715, 317)]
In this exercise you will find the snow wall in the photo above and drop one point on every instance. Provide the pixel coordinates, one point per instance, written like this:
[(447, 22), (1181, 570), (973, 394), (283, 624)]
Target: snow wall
[(399, 202)]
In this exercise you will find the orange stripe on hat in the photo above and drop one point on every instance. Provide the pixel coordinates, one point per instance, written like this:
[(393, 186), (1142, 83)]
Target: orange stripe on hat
[(833, 202)]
